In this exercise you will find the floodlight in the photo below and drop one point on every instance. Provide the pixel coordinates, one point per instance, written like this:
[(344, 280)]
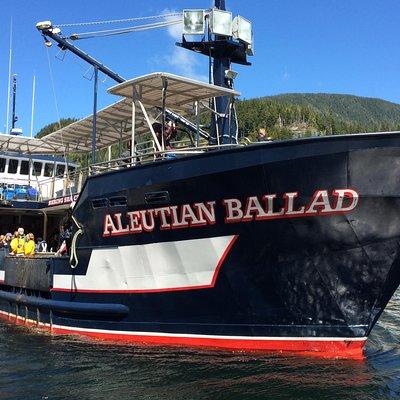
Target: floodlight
[(242, 30), (221, 22), (230, 74), (193, 22), (43, 25)]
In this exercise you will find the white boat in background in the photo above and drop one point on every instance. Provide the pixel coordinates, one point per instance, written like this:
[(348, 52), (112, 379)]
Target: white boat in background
[(34, 178)]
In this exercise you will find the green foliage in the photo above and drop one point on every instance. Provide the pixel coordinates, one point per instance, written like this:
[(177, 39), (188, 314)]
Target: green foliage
[(300, 115), (50, 128), (288, 116)]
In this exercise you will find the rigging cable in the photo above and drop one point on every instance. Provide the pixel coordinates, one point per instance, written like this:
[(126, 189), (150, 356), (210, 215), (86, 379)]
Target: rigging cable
[(59, 118), (120, 31), (115, 21), (54, 90)]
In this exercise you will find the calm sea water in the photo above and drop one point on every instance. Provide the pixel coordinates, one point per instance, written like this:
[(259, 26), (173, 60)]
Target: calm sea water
[(40, 366)]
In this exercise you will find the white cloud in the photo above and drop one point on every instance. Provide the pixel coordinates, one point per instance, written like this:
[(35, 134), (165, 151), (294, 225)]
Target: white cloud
[(175, 31), (285, 75)]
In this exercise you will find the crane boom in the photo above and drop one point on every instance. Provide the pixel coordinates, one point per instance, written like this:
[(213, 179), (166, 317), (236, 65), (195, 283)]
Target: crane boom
[(49, 32)]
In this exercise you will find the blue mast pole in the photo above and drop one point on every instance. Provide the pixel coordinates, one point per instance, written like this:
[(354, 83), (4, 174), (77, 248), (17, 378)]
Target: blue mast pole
[(220, 125)]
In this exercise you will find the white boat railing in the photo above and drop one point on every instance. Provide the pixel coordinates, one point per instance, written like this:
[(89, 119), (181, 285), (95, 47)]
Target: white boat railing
[(72, 182), (146, 153)]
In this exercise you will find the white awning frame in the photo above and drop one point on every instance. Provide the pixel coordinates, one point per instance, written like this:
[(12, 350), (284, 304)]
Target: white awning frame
[(142, 97)]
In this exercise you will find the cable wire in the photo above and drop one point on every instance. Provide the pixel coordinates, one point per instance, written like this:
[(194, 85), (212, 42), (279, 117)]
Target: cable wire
[(59, 118), (115, 21), (120, 31)]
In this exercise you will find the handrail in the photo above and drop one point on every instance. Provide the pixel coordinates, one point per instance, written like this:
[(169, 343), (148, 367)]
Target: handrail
[(145, 153), (139, 158)]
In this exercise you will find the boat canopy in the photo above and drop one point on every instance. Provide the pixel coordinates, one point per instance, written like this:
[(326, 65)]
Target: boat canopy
[(114, 123), (181, 92), (28, 145)]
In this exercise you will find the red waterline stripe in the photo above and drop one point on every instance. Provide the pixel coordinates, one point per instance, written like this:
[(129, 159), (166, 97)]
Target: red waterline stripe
[(346, 348), (174, 289)]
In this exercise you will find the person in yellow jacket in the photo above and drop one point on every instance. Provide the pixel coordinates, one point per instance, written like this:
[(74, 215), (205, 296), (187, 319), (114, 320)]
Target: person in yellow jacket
[(29, 246), (17, 244)]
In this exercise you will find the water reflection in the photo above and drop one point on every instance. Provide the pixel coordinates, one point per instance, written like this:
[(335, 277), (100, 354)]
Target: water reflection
[(50, 367)]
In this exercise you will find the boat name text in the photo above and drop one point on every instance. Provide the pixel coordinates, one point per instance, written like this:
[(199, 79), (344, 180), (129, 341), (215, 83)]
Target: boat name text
[(254, 208)]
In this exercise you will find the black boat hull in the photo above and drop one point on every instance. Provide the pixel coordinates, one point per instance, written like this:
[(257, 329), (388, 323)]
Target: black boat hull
[(312, 269)]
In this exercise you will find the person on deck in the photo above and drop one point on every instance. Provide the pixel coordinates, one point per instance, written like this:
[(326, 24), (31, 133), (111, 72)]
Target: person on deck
[(29, 245), (41, 246), (7, 241), (170, 132), (21, 232), (17, 243)]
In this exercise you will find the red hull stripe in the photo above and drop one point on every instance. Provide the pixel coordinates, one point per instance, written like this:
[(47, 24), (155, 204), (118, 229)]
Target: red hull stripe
[(319, 347), (174, 289)]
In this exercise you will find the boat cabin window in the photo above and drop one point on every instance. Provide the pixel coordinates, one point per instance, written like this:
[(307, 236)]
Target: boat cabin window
[(12, 166), (2, 164), (117, 201), (24, 170), (98, 203), (48, 169), (37, 168), (60, 169)]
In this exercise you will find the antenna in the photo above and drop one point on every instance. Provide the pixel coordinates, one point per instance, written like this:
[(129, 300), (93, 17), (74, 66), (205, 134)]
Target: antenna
[(33, 102), (9, 79), (14, 117)]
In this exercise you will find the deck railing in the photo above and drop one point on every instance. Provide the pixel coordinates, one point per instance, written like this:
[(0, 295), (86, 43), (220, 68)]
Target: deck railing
[(146, 153), (72, 182)]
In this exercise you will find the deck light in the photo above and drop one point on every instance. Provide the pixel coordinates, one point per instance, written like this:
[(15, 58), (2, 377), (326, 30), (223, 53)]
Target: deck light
[(242, 30), (193, 22), (221, 23)]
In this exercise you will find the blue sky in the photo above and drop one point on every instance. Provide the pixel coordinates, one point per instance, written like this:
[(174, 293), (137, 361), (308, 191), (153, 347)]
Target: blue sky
[(331, 46)]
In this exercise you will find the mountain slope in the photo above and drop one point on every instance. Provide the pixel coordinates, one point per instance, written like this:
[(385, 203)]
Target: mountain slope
[(303, 114)]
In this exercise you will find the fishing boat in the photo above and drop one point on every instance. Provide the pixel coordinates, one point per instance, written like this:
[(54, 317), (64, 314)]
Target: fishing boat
[(273, 246), (32, 178)]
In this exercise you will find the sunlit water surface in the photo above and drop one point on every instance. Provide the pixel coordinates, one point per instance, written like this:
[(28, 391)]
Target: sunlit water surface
[(39, 366)]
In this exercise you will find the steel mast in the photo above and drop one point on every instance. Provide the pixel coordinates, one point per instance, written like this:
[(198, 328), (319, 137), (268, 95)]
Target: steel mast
[(223, 51)]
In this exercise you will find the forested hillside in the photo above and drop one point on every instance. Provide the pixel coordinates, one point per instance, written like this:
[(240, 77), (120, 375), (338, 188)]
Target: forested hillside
[(297, 115), (287, 116)]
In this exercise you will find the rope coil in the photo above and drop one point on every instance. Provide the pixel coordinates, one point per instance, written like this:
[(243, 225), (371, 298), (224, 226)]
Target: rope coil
[(73, 258)]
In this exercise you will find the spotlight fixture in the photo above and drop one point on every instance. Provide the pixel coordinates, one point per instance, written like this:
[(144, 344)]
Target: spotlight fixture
[(242, 30), (221, 22), (230, 74), (193, 22)]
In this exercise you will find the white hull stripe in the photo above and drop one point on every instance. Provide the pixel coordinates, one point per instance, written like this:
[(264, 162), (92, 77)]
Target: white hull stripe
[(179, 265)]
